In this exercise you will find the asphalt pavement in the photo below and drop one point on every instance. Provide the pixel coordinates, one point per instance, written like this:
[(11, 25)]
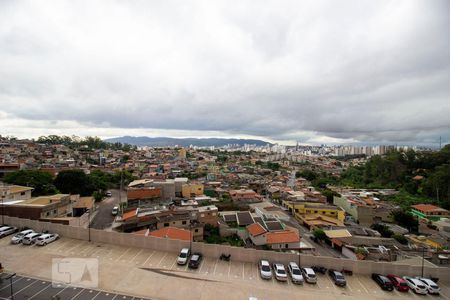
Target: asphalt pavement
[(104, 219)]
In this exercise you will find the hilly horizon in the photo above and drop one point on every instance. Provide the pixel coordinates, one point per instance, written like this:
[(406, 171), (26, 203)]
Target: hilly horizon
[(183, 142)]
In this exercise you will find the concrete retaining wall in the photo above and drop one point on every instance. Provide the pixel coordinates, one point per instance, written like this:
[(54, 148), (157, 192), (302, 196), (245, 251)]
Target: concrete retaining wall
[(238, 254)]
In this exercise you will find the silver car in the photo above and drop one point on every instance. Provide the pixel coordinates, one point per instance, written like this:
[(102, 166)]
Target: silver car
[(432, 287), (31, 238), (7, 230), (18, 237), (295, 272), (264, 269)]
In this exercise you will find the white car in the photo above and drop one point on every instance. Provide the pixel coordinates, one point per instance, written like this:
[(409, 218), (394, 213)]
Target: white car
[(18, 237), (30, 239), (280, 272), (432, 287), (7, 230), (46, 239), (416, 285), (309, 275), (296, 274), (115, 211), (184, 256), (264, 269)]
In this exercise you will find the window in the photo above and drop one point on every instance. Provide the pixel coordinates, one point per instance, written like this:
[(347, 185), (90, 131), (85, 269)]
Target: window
[(54, 211), (315, 211), (23, 193), (196, 230), (184, 222), (47, 213), (286, 246), (166, 224)]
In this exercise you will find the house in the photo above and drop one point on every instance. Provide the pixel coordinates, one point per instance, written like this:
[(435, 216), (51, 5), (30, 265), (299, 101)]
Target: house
[(245, 196), (142, 196), (15, 192), (305, 209), (42, 207), (276, 239), (429, 212), (191, 190)]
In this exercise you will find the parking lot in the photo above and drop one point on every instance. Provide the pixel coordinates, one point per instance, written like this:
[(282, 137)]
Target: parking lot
[(30, 288), (130, 270)]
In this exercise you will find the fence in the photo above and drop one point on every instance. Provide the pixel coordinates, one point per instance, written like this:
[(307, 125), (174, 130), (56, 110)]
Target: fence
[(238, 254)]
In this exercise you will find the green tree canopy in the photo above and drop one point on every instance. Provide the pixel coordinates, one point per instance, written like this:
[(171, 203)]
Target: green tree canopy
[(42, 182)]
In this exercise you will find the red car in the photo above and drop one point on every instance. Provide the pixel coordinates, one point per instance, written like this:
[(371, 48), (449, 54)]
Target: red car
[(399, 283)]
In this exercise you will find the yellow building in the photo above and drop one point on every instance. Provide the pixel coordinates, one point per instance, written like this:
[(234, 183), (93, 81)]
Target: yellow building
[(304, 209), (182, 153), (190, 190)]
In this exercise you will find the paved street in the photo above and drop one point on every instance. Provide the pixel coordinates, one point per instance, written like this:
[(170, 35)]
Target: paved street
[(104, 219)]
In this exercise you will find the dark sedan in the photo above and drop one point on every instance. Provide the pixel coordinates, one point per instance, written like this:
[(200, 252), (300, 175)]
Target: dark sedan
[(195, 261), (337, 277), (383, 282)]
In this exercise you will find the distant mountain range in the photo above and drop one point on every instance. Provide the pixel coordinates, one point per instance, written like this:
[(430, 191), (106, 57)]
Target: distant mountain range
[(182, 142)]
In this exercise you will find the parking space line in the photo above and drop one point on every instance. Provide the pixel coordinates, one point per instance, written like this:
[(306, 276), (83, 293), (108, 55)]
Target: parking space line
[(215, 266), (229, 268), (77, 294), (137, 254), (46, 287), (332, 283), (25, 286), (161, 259), (150, 256), (14, 281), (363, 286), (118, 259)]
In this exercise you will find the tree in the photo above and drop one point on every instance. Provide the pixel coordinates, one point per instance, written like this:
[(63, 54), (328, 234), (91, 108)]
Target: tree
[(383, 230), (307, 174), (401, 239), (319, 234), (74, 182), (406, 219), (42, 182)]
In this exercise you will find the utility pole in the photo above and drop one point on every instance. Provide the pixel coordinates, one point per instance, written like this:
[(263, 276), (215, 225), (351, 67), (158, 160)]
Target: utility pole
[(423, 257)]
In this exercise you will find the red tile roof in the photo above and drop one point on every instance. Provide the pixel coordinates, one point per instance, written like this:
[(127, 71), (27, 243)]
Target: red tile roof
[(172, 233), (282, 237), (255, 229), (129, 214), (428, 208)]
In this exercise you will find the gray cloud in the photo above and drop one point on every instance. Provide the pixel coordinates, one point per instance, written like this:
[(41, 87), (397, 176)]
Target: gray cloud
[(316, 71)]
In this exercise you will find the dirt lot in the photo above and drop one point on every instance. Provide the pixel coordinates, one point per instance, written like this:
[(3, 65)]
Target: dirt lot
[(155, 275)]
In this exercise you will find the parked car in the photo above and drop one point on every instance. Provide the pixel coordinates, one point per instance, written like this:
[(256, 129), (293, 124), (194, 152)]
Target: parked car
[(46, 238), (264, 269), (115, 211), (7, 230), (399, 283), (337, 277), (280, 272), (195, 261), (432, 287), (31, 238), (295, 272), (383, 282), (319, 269), (108, 194), (18, 237), (309, 275), (416, 285), (184, 256)]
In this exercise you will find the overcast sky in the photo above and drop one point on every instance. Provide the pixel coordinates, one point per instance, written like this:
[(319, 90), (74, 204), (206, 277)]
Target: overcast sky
[(313, 71)]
